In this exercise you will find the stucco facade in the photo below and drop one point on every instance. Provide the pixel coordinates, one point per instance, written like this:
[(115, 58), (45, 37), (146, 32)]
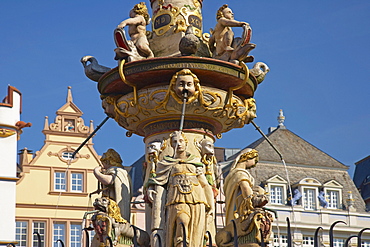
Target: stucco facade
[(53, 190)]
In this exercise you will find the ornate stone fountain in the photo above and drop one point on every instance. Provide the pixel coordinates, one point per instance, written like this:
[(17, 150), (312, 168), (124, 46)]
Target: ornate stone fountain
[(181, 89)]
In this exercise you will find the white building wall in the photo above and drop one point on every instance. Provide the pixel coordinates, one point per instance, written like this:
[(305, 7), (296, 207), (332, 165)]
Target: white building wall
[(9, 116)]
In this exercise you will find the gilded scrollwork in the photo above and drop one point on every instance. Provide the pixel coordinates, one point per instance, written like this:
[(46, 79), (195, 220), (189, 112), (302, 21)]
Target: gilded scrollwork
[(162, 101), (192, 17)]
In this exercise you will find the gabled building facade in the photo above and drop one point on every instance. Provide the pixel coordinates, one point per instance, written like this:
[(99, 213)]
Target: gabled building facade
[(53, 189), (318, 186)]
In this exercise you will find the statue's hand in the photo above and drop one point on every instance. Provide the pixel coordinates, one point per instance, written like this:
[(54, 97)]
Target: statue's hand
[(245, 24), (98, 169), (151, 193), (121, 25)]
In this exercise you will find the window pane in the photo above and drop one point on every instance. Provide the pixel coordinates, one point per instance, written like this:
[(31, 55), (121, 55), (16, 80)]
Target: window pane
[(276, 195), (333, 199), (309, 199), (59, 181), (58, 233), (365, 244), (280, 242), (21, 233), (75, 235), (76, 182), (338, 242), (307, 241), (38, 227)]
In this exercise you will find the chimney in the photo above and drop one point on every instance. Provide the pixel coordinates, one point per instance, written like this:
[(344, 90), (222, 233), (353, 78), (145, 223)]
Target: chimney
[(25, 156)]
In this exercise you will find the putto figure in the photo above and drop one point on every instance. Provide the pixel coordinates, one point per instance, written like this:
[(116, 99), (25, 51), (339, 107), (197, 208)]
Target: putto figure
[(138, 47), (222, 42), (189, 196)]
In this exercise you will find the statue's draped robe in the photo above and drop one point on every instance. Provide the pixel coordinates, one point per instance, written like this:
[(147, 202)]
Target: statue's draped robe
[(185, 195), (119, 190), (232, 190)]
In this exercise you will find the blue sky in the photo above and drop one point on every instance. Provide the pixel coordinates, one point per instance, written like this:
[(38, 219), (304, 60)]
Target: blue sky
[(318, 53)]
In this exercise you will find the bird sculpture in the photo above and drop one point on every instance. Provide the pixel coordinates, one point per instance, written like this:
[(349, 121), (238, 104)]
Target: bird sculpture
[(93, 70), (189, 43), (259, 71)]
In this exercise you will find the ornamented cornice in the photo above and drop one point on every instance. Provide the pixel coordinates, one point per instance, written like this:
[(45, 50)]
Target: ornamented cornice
[(158, 110)]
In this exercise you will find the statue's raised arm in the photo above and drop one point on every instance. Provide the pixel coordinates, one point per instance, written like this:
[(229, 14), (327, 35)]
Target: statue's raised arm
[(138, 47), (222, 42)]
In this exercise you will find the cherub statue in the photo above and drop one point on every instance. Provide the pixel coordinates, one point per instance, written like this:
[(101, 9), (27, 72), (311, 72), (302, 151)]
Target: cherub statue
[(222, 42), (138, 47), (244, 204)]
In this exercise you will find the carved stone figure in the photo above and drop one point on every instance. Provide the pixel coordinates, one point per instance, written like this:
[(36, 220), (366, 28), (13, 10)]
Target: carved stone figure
[(189, 198), (185, 81), (138, 47), (323, 202), (207, 152), (244, 205), (93, 70), (222, 42), (153, 150), (260, 70), (109, 222), (156, 209), (116, 184), (296, 196)]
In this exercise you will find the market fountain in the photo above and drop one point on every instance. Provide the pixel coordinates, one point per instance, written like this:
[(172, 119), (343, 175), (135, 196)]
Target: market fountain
[(181, 89)]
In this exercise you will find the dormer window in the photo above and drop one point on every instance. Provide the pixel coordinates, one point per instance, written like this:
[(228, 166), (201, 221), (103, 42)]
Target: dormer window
[(333, 194), (309, 188), (277, 188), (333, 199)]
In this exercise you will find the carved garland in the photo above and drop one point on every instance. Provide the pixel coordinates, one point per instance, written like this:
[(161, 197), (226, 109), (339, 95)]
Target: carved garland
[(69, 150)]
